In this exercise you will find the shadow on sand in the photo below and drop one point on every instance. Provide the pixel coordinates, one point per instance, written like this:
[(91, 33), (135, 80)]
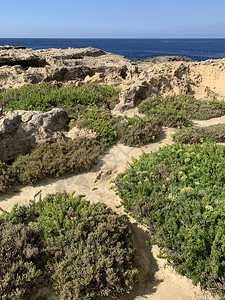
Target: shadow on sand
[(147, 283)]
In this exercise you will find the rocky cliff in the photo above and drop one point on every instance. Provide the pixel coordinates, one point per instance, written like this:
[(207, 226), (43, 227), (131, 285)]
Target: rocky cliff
[(137, 79)]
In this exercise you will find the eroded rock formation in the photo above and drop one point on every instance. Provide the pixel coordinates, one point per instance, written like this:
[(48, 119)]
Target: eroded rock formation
[(21, 131), (137, 79)]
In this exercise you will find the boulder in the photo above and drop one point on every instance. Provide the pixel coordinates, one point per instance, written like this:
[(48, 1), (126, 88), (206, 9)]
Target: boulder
[(21, 131)]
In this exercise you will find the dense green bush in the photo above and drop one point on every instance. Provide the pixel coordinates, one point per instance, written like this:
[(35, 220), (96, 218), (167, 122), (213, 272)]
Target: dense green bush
[(177, 111), (92, 249), (89, 248), (56, 159), (53, 160), (44, 97), (137, 131), (179, 193), (215, 133), (101, 121), (20, 260), (133, 131)]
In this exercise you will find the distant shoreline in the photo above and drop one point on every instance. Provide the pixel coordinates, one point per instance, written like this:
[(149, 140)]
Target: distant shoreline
[(109, 38), (133, 48)]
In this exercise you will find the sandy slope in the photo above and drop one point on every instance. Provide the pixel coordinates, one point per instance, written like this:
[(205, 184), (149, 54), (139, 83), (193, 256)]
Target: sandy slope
[(159, 282)]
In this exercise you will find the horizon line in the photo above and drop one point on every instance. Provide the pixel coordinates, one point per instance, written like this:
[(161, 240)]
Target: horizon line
[(175, 38)]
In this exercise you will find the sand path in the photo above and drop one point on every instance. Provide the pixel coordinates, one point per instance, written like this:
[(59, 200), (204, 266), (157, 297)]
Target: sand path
[(159, 282), (213, 121)]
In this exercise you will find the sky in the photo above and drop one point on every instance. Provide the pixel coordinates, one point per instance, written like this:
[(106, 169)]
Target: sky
[(112, 19)]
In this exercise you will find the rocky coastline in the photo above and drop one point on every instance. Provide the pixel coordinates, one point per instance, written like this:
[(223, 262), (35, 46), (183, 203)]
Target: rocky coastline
[(52, 149), (137, 79)]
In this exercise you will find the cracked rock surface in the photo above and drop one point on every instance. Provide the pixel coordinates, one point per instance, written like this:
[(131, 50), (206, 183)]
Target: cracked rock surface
[(21, 131)]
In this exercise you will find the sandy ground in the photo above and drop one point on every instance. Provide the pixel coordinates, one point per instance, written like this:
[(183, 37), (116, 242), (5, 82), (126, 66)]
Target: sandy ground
[(159, 282), (213, 121)]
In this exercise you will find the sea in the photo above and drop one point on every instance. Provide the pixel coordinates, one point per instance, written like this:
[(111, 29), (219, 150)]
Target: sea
[(196, 49)]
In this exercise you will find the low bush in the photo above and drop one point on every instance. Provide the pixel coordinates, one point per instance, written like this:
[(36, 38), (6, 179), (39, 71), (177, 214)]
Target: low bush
[(44, 97), (89, 248), (215, 133), (179, 193), (137, 131), (204, 110), (56, 159), (51, 160), (78, 155), (20, 257), (92, 249), (177, 111), (7, 177), (101, 121), (133, 131)]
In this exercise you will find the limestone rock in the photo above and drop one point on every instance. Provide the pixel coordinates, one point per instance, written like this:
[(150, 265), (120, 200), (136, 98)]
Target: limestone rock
[(81, 132), (21, 131), (161, 59), (137, 79)]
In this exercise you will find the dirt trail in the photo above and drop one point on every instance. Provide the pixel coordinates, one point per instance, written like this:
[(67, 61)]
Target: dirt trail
[(213, 121), (159, 282)]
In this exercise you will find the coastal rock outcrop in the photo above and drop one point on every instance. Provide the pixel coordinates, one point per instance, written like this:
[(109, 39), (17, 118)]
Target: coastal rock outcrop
[(21, 131), (137, 79)]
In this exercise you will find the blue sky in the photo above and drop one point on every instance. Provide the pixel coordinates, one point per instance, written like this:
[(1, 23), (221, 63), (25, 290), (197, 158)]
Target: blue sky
[(118, 18)]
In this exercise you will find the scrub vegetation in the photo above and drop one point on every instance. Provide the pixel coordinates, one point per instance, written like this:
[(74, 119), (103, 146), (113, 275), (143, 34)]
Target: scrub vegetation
[(177, 111), (84, 251), (179, 192), (51, 160), (215, 133)]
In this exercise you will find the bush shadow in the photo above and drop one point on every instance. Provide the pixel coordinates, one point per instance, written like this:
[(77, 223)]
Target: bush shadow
[(147, 282)]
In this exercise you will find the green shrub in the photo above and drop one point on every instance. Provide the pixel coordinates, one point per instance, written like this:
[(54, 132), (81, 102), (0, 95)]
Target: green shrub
[(92, 248), (137, 131), (56, 159), (20, 256), (204, 110), (44, 97), (215, 133), (101, 121), (53, 160), (179, 193), (7, 177), (89, 248), (177, 111)]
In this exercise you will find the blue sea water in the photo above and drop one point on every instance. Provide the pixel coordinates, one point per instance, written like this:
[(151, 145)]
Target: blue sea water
[(197, 49)]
